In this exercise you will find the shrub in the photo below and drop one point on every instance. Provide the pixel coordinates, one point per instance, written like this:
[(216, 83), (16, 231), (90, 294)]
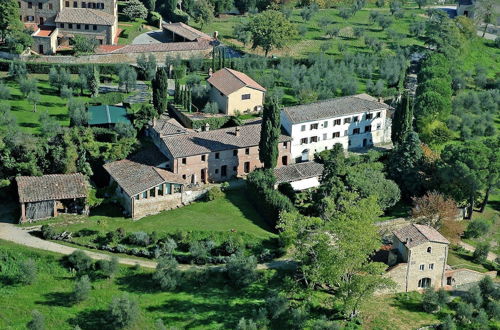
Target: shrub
[(37, 321), (82, 289), (108, 267), (213, 194), (79, 261), (241, 270), (167, 275), (481, 252), (48, 232), (139, 238), (28, 271), (200, 251), (430, 301), (123, 311), (477, 228)]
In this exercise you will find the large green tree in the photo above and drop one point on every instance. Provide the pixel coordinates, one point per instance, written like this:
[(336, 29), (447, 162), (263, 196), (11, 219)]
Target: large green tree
[(160, 90), (269, 135), (270, 30), (9, 16), (203, 12), (402, 122)]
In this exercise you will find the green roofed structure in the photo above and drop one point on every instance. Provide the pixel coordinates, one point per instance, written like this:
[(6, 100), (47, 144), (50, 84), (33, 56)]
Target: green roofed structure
[(107, 115)]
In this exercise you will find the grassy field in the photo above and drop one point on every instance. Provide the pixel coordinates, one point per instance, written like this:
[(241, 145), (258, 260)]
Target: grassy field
[(231, 213), (208, 305), (315, 36), (50, 102)]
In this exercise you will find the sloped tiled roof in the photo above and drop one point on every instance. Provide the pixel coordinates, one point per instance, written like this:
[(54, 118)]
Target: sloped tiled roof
[(84, 16), (168, 126), (135, 178), (333, 107), (228, 81), (184, 145), (414, 235), (299, 171), (160, 47), (51, 187), (186, 31), (149, 155)]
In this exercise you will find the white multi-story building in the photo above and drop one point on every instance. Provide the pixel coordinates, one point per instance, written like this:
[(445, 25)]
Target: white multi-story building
[(356, 121)]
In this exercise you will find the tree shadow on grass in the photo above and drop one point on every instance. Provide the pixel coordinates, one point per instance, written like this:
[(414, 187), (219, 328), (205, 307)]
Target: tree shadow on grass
[(408, 302), (138, 283), (495, 205), (239, 199), (92, 320), (30, 125), (62, 299)]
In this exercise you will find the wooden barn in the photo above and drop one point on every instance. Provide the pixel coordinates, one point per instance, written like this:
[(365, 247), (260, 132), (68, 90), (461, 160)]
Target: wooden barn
[(47, 196)]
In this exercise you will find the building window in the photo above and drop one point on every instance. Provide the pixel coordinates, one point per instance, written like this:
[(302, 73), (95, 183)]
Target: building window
[(303, 128), (30, 18), (325, 124), (152, 192), (368, 128), (347, 120), (78, 26), (314, 139), (379, 126), (184, 160), (235, 152), (431, 266), (369, 116), (429, 249), (247, 151), (336, 122), (421, 267), (75, 4), (246, 167), (245, 97), (70, 26), (355, 118), (377, 115), (144, 194), (160, 190), (66, 4), (424, 282), (349, 142), (325, 136), (335, 135), (216, 171), (19, 3), (50, 6), (94, 27), (137, 197), (303, 141), (84, 5), (203, 158), (217, 155), (285, 145), (30, 5), (62, 25), (235, 168), (102, 5), (86, 26), (223, 170), (40, 5), (184, 176), (355, 131), (314, 126)]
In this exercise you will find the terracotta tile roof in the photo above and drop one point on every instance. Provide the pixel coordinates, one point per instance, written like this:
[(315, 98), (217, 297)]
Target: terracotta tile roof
[(164, 47), (149, 155), (228, 81), (186, 31), (299, 171), (108, 48), (168, 126), (331, 108), (184, 145), (51, 187), (135, 178), (44, 31), (85, 16), (414, 235)]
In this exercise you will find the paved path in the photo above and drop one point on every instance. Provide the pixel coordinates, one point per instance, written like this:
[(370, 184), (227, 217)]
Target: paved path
[(22, 236), (491, 256)]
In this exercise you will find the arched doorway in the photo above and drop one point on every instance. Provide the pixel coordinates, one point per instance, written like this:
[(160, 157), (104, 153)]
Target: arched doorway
[(305, 155), (424, 282)]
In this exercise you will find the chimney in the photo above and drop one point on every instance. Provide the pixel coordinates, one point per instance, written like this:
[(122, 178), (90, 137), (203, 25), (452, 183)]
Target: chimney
[(210, 72), (216, 35), (207, 127), (237, 131), (154, 121)]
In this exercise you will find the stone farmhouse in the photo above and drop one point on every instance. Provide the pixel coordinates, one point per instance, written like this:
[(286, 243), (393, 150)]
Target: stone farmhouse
[(234, 91), (56, 22), (49, 195), (418, 261), (212, 155), (357, 121)]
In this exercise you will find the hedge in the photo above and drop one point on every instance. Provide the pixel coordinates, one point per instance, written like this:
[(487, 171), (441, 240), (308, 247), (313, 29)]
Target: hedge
[(44, 68), (215, 122)]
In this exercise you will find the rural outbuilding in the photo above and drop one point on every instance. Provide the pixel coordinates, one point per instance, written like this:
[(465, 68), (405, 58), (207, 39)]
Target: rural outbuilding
[(46, 196)]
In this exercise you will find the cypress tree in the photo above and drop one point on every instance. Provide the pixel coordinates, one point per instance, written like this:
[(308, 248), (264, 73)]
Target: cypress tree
[(402, 122), (176, 93), (269, 135), (190, 100), (160, 90), (213, 59), (223, 50), (220, 58)]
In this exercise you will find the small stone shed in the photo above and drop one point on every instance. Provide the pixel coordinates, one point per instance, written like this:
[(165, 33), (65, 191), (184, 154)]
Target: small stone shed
[(47, 196), (301, 176)]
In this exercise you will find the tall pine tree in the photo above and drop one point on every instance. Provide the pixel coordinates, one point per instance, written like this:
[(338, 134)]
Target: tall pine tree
[(403, 118), (160, 90), (269, 135)]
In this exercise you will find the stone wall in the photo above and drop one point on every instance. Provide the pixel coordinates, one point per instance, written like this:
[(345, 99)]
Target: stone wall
[(109, 58), (398, 275), (148, 206), (462, 277)]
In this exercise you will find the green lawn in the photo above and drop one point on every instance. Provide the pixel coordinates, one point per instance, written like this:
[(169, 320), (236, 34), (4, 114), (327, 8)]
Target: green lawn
[(308, 43), (209, 305), (458, 259), (50, 102), (231, 213), (131, 29)]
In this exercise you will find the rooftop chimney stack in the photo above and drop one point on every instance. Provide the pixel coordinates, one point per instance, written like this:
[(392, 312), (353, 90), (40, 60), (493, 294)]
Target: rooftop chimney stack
[(207, 127), (237, 131)]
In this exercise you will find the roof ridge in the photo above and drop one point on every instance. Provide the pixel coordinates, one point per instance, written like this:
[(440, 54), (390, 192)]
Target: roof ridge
[(231, 71), (421, 232)]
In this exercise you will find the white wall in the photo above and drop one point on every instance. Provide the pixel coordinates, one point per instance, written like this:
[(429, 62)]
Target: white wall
[(326, 128)]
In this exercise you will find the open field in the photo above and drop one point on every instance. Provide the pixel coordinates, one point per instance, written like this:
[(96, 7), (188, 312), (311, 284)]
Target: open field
[(231, 213)]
